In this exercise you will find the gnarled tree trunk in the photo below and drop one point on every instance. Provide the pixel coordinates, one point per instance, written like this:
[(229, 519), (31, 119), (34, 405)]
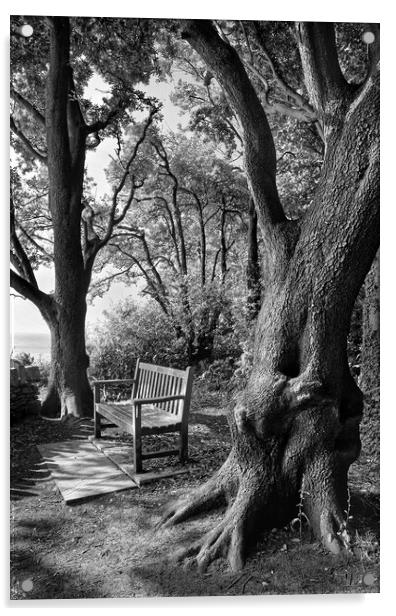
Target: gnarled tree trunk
[(369, 380), (296, 425)]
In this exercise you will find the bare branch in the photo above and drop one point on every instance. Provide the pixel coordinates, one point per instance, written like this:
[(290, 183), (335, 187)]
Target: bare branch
[(157, 293), (181, 250), (105, 281), (141, 236), (113, 220)]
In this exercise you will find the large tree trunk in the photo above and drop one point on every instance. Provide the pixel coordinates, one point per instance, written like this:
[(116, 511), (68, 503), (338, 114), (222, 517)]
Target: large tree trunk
[(69, 392), (253, 278), (69, 389), (295, 428), (369, 380)]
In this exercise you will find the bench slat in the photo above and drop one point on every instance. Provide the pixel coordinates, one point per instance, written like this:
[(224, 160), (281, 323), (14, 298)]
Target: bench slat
[(164, 395), (161, 369), (147, 455), (152, 417)]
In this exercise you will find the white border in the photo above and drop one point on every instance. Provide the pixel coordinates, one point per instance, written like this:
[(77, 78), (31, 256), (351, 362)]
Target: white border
[(335, 10)]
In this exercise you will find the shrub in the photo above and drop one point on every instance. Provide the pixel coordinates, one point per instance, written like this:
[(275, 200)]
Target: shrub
[(129, 332)]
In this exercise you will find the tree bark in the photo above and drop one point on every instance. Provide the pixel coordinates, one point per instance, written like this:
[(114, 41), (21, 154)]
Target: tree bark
[(295, 428), (66, 142), (69, 391), (369, 380), (253, 281)]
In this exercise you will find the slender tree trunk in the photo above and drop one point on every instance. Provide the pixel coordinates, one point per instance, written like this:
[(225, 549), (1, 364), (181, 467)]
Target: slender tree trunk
[(205, 337)]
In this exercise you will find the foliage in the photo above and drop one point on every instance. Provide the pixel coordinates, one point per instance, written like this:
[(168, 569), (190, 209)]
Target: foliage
[(128, 332), (184, 235), (26, 359)]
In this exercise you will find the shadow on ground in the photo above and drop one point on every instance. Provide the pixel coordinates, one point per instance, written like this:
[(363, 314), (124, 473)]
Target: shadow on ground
[(106, 547)]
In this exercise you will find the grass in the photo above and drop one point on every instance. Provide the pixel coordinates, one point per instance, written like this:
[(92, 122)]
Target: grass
[(106, 547)]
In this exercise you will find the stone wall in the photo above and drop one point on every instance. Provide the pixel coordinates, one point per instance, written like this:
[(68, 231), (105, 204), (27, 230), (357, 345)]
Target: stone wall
[(24, 393)]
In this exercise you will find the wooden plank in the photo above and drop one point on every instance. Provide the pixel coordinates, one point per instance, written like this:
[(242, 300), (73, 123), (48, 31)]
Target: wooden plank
[(161, 453), (122, 456), (120, 414), (152, 417), (162, 369), (65, 449), (80, 471), (142, 478), (146, 430)]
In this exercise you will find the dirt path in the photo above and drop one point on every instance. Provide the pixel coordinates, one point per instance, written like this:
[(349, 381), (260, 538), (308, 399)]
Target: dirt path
[(106, 547)]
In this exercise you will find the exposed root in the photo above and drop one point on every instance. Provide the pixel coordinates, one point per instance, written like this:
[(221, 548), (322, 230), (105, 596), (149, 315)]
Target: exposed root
[(225, 540), (211, 494), (334, 534), (201, 500), (229, 538)]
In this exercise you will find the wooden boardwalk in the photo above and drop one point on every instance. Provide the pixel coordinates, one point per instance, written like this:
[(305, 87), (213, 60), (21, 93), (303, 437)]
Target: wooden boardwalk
[(81, 471), (122, 455)]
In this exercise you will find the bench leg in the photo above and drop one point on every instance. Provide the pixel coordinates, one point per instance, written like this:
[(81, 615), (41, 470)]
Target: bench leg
[(97, 430), (137, 454), (183, 450)]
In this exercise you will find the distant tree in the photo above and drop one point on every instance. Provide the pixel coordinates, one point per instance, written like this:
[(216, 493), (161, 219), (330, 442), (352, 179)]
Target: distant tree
[(182, 236)]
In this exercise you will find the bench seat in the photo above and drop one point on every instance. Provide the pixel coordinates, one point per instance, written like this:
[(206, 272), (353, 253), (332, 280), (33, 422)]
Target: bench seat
[(160, 402), (153, 421)]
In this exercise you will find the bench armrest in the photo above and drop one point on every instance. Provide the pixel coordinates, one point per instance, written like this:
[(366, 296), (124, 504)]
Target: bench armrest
[(139, 401), (105, 382)]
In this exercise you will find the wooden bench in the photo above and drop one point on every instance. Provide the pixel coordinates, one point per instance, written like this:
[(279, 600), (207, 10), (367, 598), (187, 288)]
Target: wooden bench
[(160, 403)]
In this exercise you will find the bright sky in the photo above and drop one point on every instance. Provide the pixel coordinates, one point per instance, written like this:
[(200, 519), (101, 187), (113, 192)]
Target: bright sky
[(25, 317)]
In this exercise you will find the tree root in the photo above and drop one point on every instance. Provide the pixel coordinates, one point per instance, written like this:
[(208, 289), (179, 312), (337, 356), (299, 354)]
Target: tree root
[(210, 495), (201, 500), (334, 534), (226, 540)]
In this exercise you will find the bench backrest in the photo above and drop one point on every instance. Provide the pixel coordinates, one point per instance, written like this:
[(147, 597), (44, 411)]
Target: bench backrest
[(153, 381)]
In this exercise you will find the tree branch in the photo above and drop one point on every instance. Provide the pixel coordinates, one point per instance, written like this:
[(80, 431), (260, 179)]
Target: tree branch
[(181, 252), (25, 265), (141, 236), (260, 157), (102, 124), (155, 292), (29, 107), (113, 220), (36, 244), (43, 301), (297, 98), (26, 142), (323, 76)]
